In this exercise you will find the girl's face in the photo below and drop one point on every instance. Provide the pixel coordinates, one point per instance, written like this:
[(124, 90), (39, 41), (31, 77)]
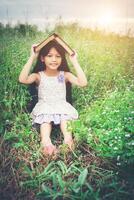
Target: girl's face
[(52, 59)]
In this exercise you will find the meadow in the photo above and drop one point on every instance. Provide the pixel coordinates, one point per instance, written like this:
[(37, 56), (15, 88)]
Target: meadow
[(102, 165)]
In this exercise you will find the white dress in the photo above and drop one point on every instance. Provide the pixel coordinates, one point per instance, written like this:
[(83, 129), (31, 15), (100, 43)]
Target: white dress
[(52, 104)]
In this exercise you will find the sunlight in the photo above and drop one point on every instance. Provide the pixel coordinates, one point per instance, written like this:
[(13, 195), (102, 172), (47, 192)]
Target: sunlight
[(106, 19)]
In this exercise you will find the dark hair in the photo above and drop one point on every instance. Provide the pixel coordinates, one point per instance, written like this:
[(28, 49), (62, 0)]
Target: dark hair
[(40, 66)]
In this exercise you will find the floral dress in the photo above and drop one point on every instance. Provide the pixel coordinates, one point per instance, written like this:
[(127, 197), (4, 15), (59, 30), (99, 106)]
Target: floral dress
[(52, 105)]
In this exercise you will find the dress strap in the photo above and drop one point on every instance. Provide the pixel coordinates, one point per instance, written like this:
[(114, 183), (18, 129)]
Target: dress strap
[(41, 74)]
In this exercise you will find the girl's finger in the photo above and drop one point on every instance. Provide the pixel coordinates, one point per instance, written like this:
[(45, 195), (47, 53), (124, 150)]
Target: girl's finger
[(75, 53), (33, 46)]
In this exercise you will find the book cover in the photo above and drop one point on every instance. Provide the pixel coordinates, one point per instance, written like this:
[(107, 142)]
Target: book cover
[(57, 38)]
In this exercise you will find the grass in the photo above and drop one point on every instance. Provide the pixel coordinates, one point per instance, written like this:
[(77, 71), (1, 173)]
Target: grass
[(101, 167)]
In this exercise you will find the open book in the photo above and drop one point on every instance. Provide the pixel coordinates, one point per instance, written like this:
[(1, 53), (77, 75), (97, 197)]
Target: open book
[(57, 38)]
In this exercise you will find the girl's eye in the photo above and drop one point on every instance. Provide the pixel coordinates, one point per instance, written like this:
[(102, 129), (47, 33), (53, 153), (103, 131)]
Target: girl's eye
[(58, 56), (49, 55)]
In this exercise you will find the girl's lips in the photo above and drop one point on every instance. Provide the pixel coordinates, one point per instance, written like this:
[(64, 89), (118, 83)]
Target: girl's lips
[(53, 64)]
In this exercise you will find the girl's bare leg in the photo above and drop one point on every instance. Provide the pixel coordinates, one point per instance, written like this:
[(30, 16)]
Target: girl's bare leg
[(46, 143), (45, 130), (67, 135)]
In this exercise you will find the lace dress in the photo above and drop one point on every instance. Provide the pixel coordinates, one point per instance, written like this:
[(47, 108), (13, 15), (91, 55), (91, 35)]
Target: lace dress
[(52, 104)]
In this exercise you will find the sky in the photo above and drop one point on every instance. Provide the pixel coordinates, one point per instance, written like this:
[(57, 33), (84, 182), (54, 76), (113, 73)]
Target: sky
[(103, 13)]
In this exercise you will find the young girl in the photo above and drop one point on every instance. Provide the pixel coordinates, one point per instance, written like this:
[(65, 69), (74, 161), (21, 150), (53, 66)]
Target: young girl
[(51, 75)]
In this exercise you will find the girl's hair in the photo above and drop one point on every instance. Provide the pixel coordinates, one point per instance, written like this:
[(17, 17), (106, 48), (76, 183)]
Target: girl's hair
[(40, 66)]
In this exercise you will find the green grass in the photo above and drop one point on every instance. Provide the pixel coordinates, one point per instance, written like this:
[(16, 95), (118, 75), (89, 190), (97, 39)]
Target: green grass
[(101, 167)]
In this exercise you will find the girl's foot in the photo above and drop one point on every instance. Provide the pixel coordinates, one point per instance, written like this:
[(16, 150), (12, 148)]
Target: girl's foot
[(49, 150), (70, 143)]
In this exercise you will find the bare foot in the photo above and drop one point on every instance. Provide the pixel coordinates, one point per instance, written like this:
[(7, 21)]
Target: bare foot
[(70, 143), (49, 150)]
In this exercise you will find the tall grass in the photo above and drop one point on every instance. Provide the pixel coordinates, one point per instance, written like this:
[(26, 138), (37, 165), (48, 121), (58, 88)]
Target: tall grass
[(103, 133)]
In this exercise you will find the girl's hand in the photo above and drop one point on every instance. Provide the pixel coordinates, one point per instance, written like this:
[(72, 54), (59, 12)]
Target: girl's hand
[(73, 58), (33, 54)]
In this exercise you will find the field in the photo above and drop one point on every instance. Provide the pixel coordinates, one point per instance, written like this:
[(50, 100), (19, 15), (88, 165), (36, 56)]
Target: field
[(101, 167)]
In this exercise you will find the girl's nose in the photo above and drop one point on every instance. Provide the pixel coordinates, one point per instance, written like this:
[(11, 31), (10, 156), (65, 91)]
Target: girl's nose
[(54, 58)]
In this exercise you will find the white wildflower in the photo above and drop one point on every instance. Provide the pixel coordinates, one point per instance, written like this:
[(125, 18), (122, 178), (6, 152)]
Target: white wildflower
[(115, 148), (118, 164), (107, 133), (127, 135), (118, 158), (130, 118), (116, 111), (116, 129)]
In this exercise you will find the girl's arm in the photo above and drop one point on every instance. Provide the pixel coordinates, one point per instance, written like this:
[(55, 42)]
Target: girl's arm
[(80, 79), (24, 76)]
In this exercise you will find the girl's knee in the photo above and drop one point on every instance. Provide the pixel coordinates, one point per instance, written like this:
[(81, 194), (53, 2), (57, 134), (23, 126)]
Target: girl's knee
[(46, 127)]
